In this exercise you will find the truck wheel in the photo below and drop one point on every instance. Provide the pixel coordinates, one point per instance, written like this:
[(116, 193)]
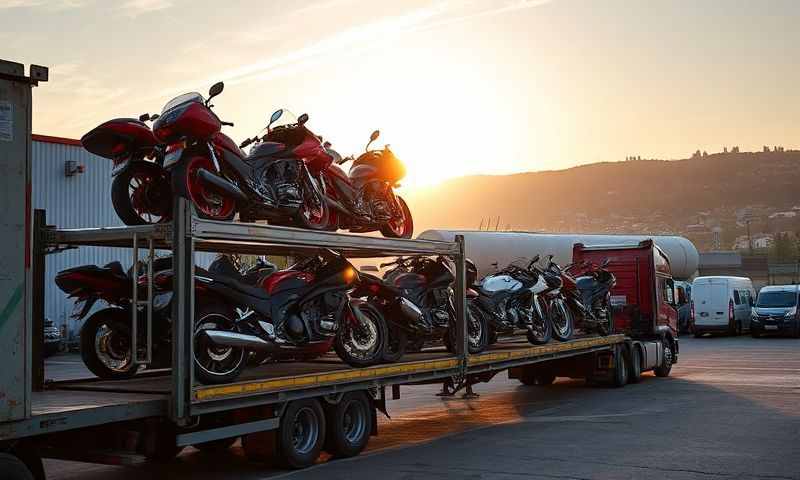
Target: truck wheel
[(666, 365), (12, 468), (301, 434), (635, 367), (349, 424), (620, 378)]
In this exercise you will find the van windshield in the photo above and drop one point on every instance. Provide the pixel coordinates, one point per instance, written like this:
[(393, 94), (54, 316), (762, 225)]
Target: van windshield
[(776, 299)]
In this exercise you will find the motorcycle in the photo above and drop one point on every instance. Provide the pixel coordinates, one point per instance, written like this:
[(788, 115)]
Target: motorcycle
[(291, 161), (511, 299), (140, 190), (416, 298), (303, 310), (587, 288), (363, 200), (106, 336)]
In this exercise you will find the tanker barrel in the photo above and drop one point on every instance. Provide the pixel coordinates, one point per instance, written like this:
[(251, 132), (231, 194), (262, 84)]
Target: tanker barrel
[(485, 248)]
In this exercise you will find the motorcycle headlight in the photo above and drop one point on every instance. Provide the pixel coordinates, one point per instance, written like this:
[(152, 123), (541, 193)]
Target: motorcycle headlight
[(161, 300)]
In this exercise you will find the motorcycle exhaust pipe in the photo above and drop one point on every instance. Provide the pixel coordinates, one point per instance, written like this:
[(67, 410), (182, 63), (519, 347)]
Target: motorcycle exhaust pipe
[(218, 183), (235, 339), (408, 309)]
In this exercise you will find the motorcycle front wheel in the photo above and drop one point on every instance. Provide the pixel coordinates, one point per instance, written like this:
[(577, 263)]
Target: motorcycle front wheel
[(561, 319), (360, 341), (141, 194), (314, 212), (400, 227), (477, 332), (541, 330)]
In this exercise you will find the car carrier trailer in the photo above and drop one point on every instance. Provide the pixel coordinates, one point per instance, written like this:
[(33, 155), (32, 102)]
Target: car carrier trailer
[(285, 411)]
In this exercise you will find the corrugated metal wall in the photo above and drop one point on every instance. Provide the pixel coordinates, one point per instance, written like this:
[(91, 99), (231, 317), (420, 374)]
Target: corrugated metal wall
[(79, 201)]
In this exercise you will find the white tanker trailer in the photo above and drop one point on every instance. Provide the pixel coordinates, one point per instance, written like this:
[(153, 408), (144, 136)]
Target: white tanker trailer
[(485, 248)]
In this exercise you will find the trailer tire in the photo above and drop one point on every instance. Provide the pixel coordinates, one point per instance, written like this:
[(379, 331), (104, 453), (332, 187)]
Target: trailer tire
[(531, 377), (635, 370), (349, 425), (620, 378), (301, 434), (666, 365), (13, 468)]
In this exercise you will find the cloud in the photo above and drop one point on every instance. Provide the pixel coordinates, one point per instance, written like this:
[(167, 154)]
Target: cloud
[(134, 8), (50, 5)]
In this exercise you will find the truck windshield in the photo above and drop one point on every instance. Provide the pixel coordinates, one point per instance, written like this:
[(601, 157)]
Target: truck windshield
[(776, 299)]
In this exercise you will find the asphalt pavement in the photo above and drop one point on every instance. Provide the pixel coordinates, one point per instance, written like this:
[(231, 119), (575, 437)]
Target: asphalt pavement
[(730, 409)]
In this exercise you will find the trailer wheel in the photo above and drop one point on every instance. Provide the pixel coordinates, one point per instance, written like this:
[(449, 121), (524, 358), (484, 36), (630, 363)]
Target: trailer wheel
[(531, 377), (635, 370), (620, 378), (301, 434), (666, 365), (349, 424), (12, 468)]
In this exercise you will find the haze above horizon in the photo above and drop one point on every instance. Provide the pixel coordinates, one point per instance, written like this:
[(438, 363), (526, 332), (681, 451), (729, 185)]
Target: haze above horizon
[(456, 87)]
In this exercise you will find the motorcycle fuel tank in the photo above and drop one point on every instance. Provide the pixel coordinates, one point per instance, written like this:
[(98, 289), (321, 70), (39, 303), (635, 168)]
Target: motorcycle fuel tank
[(409, 281), (500, 283)]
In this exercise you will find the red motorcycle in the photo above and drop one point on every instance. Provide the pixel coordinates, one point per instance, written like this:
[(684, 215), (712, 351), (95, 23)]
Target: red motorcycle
[(363, 199), (586, 288), (140, 191)]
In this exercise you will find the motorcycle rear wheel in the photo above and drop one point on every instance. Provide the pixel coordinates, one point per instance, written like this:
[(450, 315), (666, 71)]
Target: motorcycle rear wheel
[(141, 194), (400, 227), (216, 364), (106, 344), (208, 204)]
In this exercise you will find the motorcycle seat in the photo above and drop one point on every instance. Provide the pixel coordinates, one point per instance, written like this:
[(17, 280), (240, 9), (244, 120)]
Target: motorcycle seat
[(235, 284), (115, 268), (265, 150)]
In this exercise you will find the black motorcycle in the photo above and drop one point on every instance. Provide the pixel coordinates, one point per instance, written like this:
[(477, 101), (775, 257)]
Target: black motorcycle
[(510, 299), (107, 336), (303, 310), (416, 298)]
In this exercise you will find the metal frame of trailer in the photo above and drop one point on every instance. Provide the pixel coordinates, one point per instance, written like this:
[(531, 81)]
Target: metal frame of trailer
[(60, 409)]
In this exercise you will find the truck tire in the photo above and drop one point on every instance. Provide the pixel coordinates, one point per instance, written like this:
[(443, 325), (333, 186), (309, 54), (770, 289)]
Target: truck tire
[(666, 364), (12, 468), (301, 434), (620, 378), (635, 367), (349, 424)]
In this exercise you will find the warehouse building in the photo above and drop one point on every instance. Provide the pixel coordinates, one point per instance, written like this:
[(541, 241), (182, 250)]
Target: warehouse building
[(74, 187)]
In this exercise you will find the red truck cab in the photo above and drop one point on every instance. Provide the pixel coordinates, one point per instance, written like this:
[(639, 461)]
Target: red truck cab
[(643, 297)]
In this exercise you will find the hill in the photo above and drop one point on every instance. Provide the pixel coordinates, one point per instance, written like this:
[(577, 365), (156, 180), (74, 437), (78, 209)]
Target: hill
[(644, 196)]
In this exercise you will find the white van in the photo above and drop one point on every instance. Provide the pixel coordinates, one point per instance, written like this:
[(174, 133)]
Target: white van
[(722, 304)]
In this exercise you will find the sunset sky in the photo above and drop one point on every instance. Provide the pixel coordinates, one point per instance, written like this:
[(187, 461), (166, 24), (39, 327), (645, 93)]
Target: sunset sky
[(456, 87)]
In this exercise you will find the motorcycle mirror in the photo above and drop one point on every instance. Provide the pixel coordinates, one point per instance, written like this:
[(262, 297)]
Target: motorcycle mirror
[(275, 116), (215, 90), (372, 138), (154, 116), (144, 117), (302, 119)]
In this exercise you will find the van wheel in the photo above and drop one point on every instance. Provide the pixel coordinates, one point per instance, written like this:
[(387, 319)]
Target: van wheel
[(635, 370), (349, 424), (697, 333)]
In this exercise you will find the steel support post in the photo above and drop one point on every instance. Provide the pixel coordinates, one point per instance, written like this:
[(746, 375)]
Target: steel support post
[(461, 304), (37, 299), (182, 311)]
